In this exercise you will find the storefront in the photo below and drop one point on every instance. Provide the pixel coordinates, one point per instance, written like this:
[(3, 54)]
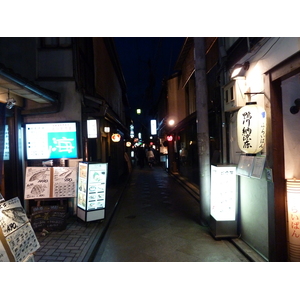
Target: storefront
[(15, 95), (272, 81)]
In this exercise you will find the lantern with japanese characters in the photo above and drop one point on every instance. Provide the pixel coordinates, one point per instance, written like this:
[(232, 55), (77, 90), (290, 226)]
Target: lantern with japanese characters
[(293, 207), (251, 128)]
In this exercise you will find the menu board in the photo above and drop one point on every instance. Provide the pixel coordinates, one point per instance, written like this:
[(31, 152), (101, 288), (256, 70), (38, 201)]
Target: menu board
[(50, 182), (51, 140), (64, 182), (258, 167), (96, 186), (17, 238), (51, 218), (92, 186), (37, 182), (245, 165)]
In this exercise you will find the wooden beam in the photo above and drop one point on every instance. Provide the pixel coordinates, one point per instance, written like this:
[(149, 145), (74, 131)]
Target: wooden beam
[(277, 210)]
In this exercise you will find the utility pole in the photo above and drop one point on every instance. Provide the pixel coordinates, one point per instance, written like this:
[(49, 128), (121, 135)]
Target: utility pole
[(202, 129)]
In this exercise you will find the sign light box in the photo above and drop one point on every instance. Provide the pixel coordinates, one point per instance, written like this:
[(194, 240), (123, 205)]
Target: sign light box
[(51, 140), (223, 193), (153, 127), (92, 129)]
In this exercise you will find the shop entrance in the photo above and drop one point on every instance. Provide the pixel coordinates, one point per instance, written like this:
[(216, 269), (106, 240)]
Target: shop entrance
[(13, 156)]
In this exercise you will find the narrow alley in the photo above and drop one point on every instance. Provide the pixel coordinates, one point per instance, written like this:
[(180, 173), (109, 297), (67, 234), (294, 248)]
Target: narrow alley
[(157, 220)]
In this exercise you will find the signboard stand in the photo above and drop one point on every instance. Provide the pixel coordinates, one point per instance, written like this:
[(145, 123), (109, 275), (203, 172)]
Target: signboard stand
[(92, 179), (52, 184), (223, 210)]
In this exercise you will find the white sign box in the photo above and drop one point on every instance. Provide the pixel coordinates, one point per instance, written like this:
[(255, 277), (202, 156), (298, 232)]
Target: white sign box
[(223, 193)]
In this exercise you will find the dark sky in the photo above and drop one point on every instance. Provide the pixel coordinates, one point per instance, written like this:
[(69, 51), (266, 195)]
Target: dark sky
[(145, 62)]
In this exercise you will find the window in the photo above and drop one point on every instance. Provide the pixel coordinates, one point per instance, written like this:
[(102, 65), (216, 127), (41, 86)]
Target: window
[(56, 42)]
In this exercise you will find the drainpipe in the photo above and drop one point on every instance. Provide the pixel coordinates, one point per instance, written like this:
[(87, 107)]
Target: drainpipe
[(202, 130)]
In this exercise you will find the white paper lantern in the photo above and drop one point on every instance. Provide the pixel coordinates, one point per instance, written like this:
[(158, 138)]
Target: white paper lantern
[(251, 128)]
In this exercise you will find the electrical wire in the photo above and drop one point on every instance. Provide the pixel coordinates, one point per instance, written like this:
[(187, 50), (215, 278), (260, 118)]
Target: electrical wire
[(265, 52)]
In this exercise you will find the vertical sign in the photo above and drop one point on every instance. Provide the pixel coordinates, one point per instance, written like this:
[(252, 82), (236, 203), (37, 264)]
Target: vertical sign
[(153, 127), (92, 129), (293, 205)]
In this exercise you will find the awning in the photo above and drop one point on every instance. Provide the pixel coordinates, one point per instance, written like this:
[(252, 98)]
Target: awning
[(20, 86)]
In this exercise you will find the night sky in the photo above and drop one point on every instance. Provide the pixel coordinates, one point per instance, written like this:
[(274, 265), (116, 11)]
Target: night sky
[(145, 61)]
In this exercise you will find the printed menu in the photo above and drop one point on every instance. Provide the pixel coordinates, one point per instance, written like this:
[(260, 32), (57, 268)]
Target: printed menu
[(50, 182), (17, 238), (37, 183)]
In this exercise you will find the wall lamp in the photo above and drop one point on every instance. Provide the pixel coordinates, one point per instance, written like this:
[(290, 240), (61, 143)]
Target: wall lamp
[(295, 108), (239, 70)]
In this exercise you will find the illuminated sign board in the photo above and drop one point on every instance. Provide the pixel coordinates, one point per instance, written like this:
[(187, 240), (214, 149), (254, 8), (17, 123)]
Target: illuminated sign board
[(92, 129), (51, 140), (223, 193), (153, 127)]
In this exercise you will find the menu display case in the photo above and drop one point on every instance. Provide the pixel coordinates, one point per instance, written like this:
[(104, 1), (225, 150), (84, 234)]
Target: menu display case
[(92, 178)]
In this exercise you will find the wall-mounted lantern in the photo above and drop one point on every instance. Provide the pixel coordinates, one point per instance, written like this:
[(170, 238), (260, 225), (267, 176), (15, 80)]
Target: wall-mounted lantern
[(116, 137), (251, 128), (293, 207), (106, 129)]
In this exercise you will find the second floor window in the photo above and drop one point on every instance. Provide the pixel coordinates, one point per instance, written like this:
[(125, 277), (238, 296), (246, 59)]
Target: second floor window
[(56, 42)]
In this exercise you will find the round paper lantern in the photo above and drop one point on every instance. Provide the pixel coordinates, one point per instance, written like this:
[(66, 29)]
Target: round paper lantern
[(251, 128), (116, 137)]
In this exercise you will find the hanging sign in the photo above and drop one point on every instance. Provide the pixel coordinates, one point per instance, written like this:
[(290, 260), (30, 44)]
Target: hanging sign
[(251, 128)]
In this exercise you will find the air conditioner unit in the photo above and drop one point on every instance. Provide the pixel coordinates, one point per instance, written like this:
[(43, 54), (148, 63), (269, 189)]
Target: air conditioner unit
[(234, 95)]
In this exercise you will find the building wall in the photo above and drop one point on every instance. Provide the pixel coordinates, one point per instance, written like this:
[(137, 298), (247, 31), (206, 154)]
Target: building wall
[(254, 194), (176, 100), (291, 126), (107, 84)]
